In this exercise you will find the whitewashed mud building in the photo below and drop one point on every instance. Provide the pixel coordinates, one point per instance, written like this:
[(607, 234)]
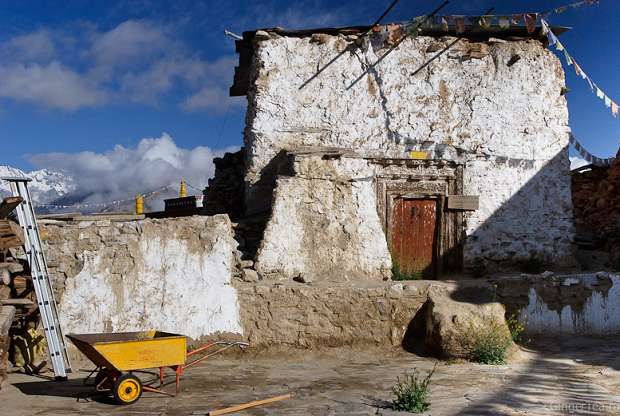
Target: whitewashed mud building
[(368, 161), (352, 172)]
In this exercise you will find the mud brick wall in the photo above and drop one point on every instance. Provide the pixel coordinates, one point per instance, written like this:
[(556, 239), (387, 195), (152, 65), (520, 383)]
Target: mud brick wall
[(506, 124), (305, 316), (172, 275)]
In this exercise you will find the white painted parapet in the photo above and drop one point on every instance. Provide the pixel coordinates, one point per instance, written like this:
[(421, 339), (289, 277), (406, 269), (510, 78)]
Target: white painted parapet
[(588, 304), (172, 275)]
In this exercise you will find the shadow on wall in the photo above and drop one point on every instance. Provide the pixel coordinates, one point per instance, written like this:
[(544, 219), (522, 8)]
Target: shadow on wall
[(531, 231)]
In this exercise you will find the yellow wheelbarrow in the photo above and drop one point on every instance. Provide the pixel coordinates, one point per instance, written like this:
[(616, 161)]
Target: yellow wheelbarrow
[(118, 355)]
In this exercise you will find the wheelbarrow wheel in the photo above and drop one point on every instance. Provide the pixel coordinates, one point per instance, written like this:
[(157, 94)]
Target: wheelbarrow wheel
[(127, 389)]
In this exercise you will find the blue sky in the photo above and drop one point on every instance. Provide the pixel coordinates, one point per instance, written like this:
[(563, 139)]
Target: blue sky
[(114, 72)]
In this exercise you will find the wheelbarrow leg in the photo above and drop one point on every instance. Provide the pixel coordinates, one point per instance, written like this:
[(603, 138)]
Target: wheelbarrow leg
[(179, 370), (161, 376)]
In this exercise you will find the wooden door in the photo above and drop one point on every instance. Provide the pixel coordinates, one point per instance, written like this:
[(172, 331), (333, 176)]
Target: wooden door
[(413, 235)]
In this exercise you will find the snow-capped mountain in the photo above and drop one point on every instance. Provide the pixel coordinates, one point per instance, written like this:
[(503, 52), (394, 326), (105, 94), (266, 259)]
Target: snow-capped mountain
[(46, 186)]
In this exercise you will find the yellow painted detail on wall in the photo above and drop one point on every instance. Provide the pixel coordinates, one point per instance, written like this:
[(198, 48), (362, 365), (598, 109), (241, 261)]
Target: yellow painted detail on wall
[(418, 155)]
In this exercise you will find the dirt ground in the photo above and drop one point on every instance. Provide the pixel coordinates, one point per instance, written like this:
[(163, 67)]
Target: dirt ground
[(552, 377)]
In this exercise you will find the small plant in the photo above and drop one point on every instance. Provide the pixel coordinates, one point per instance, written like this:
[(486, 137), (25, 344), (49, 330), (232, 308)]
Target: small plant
[(412, 393), (398, 274), (516, 327), (490, 344)]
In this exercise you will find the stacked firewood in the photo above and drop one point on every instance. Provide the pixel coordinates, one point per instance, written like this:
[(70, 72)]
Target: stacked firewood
[(596, 201), (18, 311), (225, 192)]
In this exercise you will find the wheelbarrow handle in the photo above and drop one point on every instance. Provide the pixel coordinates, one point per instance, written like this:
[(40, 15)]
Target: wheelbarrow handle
[(223, 344)]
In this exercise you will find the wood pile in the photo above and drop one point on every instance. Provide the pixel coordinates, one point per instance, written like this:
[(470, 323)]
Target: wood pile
[(226, 191), (6, 320), (17, 306), (596, 205)]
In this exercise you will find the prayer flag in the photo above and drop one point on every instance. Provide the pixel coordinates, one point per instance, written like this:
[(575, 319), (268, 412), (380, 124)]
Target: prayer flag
[(516, 18), (504, 22), (530, 22), (460, 24)]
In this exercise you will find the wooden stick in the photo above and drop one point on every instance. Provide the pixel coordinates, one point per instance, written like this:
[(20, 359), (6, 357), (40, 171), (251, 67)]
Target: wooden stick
[(248, 405)]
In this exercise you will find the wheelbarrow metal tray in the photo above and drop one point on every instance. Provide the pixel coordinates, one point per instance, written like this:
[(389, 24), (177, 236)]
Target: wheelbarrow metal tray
[(126, 351)]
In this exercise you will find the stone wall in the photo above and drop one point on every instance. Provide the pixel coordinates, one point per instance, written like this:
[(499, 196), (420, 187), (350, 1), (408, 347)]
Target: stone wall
[(172, 275), (324, 224), (177, 275), (295, 315), (507, 125), (596, 197)]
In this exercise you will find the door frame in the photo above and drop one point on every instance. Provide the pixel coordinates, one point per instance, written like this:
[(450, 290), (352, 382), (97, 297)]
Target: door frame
[(413, 181)]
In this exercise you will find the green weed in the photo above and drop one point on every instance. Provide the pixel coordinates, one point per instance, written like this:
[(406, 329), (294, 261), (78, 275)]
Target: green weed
[(412, 393)]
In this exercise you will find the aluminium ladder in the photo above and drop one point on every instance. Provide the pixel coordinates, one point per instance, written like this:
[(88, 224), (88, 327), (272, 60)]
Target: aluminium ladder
[(41, 278)]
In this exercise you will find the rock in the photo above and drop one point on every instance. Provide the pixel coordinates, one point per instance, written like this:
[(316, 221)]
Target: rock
[(5, 277), (319, 38), (246, 264), (496, 41), (602, 275), (250, 275), (12, 267), (262, 35), (449, 323), (303, 278), (6, 318), (570, 281)]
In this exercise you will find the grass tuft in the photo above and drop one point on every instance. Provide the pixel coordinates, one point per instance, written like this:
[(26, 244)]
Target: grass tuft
[(489, 343), (412, 393)]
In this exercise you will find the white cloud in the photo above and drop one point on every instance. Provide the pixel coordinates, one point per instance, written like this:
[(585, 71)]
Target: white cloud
[(129, 41), (137, 61), (123, 172), (577, 162), (301, 15), (51, 85), (212, 98), (32, 47)]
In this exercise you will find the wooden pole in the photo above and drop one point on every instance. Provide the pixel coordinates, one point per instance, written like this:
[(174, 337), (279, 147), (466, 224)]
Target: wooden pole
[(248, 405)]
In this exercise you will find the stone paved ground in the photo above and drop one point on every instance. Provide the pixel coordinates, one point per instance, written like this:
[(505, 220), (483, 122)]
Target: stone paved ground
[(579, 376)]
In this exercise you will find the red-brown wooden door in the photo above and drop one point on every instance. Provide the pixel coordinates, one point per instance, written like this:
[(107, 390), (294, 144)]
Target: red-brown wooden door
[(413, 235)]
